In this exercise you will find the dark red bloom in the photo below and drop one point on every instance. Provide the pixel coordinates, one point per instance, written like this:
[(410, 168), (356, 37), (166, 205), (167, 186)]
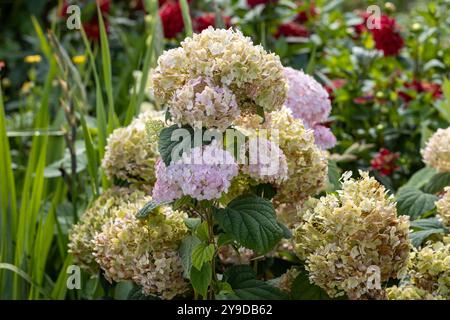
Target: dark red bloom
[(171, 18), (254, 3), (360, 28), (387, 38), (62, 10), (92, 27), (306, 14), (420, 87), (385, 162), (363, 99), (291, 29), (208, 19)]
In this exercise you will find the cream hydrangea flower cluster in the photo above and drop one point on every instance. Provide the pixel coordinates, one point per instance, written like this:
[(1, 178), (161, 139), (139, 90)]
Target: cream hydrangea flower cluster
[(103, 208), (443, 207), (353, 241), (231, 64), (436, 153), (130, 152), (428, 276), (287, 279), (144, 251), (309, 101)]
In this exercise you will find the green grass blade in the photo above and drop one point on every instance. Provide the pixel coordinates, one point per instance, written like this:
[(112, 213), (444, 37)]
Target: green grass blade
[(45, 47), (60, 288), (91, 155), (107, 74), (8, 208), (186, 18)]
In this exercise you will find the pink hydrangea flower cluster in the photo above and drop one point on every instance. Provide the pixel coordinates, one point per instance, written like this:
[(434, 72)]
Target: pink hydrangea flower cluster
[(203, 173), (309, 101)]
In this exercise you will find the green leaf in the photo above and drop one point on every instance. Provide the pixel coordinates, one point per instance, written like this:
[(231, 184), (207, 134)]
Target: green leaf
[(202, 253), (287, 233), (424, 224), (414, 202), (418, 237), (201, 279), (167, 143), (420, 178), (148, 208), (438, 182), (303, 289), (334, 174), (192, 223), (202, 231), (246, 287), (251, 220), (224, 239), (186, 17), (186, 248)]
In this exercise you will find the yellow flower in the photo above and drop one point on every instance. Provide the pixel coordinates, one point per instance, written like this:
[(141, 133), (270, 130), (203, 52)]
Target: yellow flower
[(33, 59), (80, 59)]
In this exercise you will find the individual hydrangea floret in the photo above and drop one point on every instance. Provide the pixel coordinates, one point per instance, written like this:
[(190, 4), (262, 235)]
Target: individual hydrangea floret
[(80, 237), (230, 255), (230, 60), (201, 103), (144, 251), (353, 241), (130, 153), (436, 153), (204, 173)]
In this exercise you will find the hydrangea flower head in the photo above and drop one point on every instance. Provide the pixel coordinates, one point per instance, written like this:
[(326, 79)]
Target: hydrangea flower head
[(443, 207), (91, 222), (228, 59), (144, 251), (131, 152), (353, 241), (436, 153)]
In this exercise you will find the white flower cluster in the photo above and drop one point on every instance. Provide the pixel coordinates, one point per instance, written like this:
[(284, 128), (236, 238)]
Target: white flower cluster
[(436, 153)]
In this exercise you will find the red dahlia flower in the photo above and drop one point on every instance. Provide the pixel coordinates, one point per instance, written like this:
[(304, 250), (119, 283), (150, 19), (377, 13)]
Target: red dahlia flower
[(208, 19), (387, 38), (171, 18), (421, 87), (291, 29), (385, 162), (306, 14)]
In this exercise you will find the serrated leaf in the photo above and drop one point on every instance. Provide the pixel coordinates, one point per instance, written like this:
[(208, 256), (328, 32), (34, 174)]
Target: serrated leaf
[(168, 140), (251, 220), (201, 279), (419, 236), (420, 178), (303, 289), (202, 231), (246, 287), (186, 247), (424, 224), (438, 182), (202, 253), (414, 202), (192, 223)]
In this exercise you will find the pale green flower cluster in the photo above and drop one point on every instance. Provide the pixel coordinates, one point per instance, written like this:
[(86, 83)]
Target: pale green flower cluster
[(145, 251), (428, 275), (410, 292), (436, 153), (232, 64), (443, 208), (353, 241), (80, 237), (131, 153)]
